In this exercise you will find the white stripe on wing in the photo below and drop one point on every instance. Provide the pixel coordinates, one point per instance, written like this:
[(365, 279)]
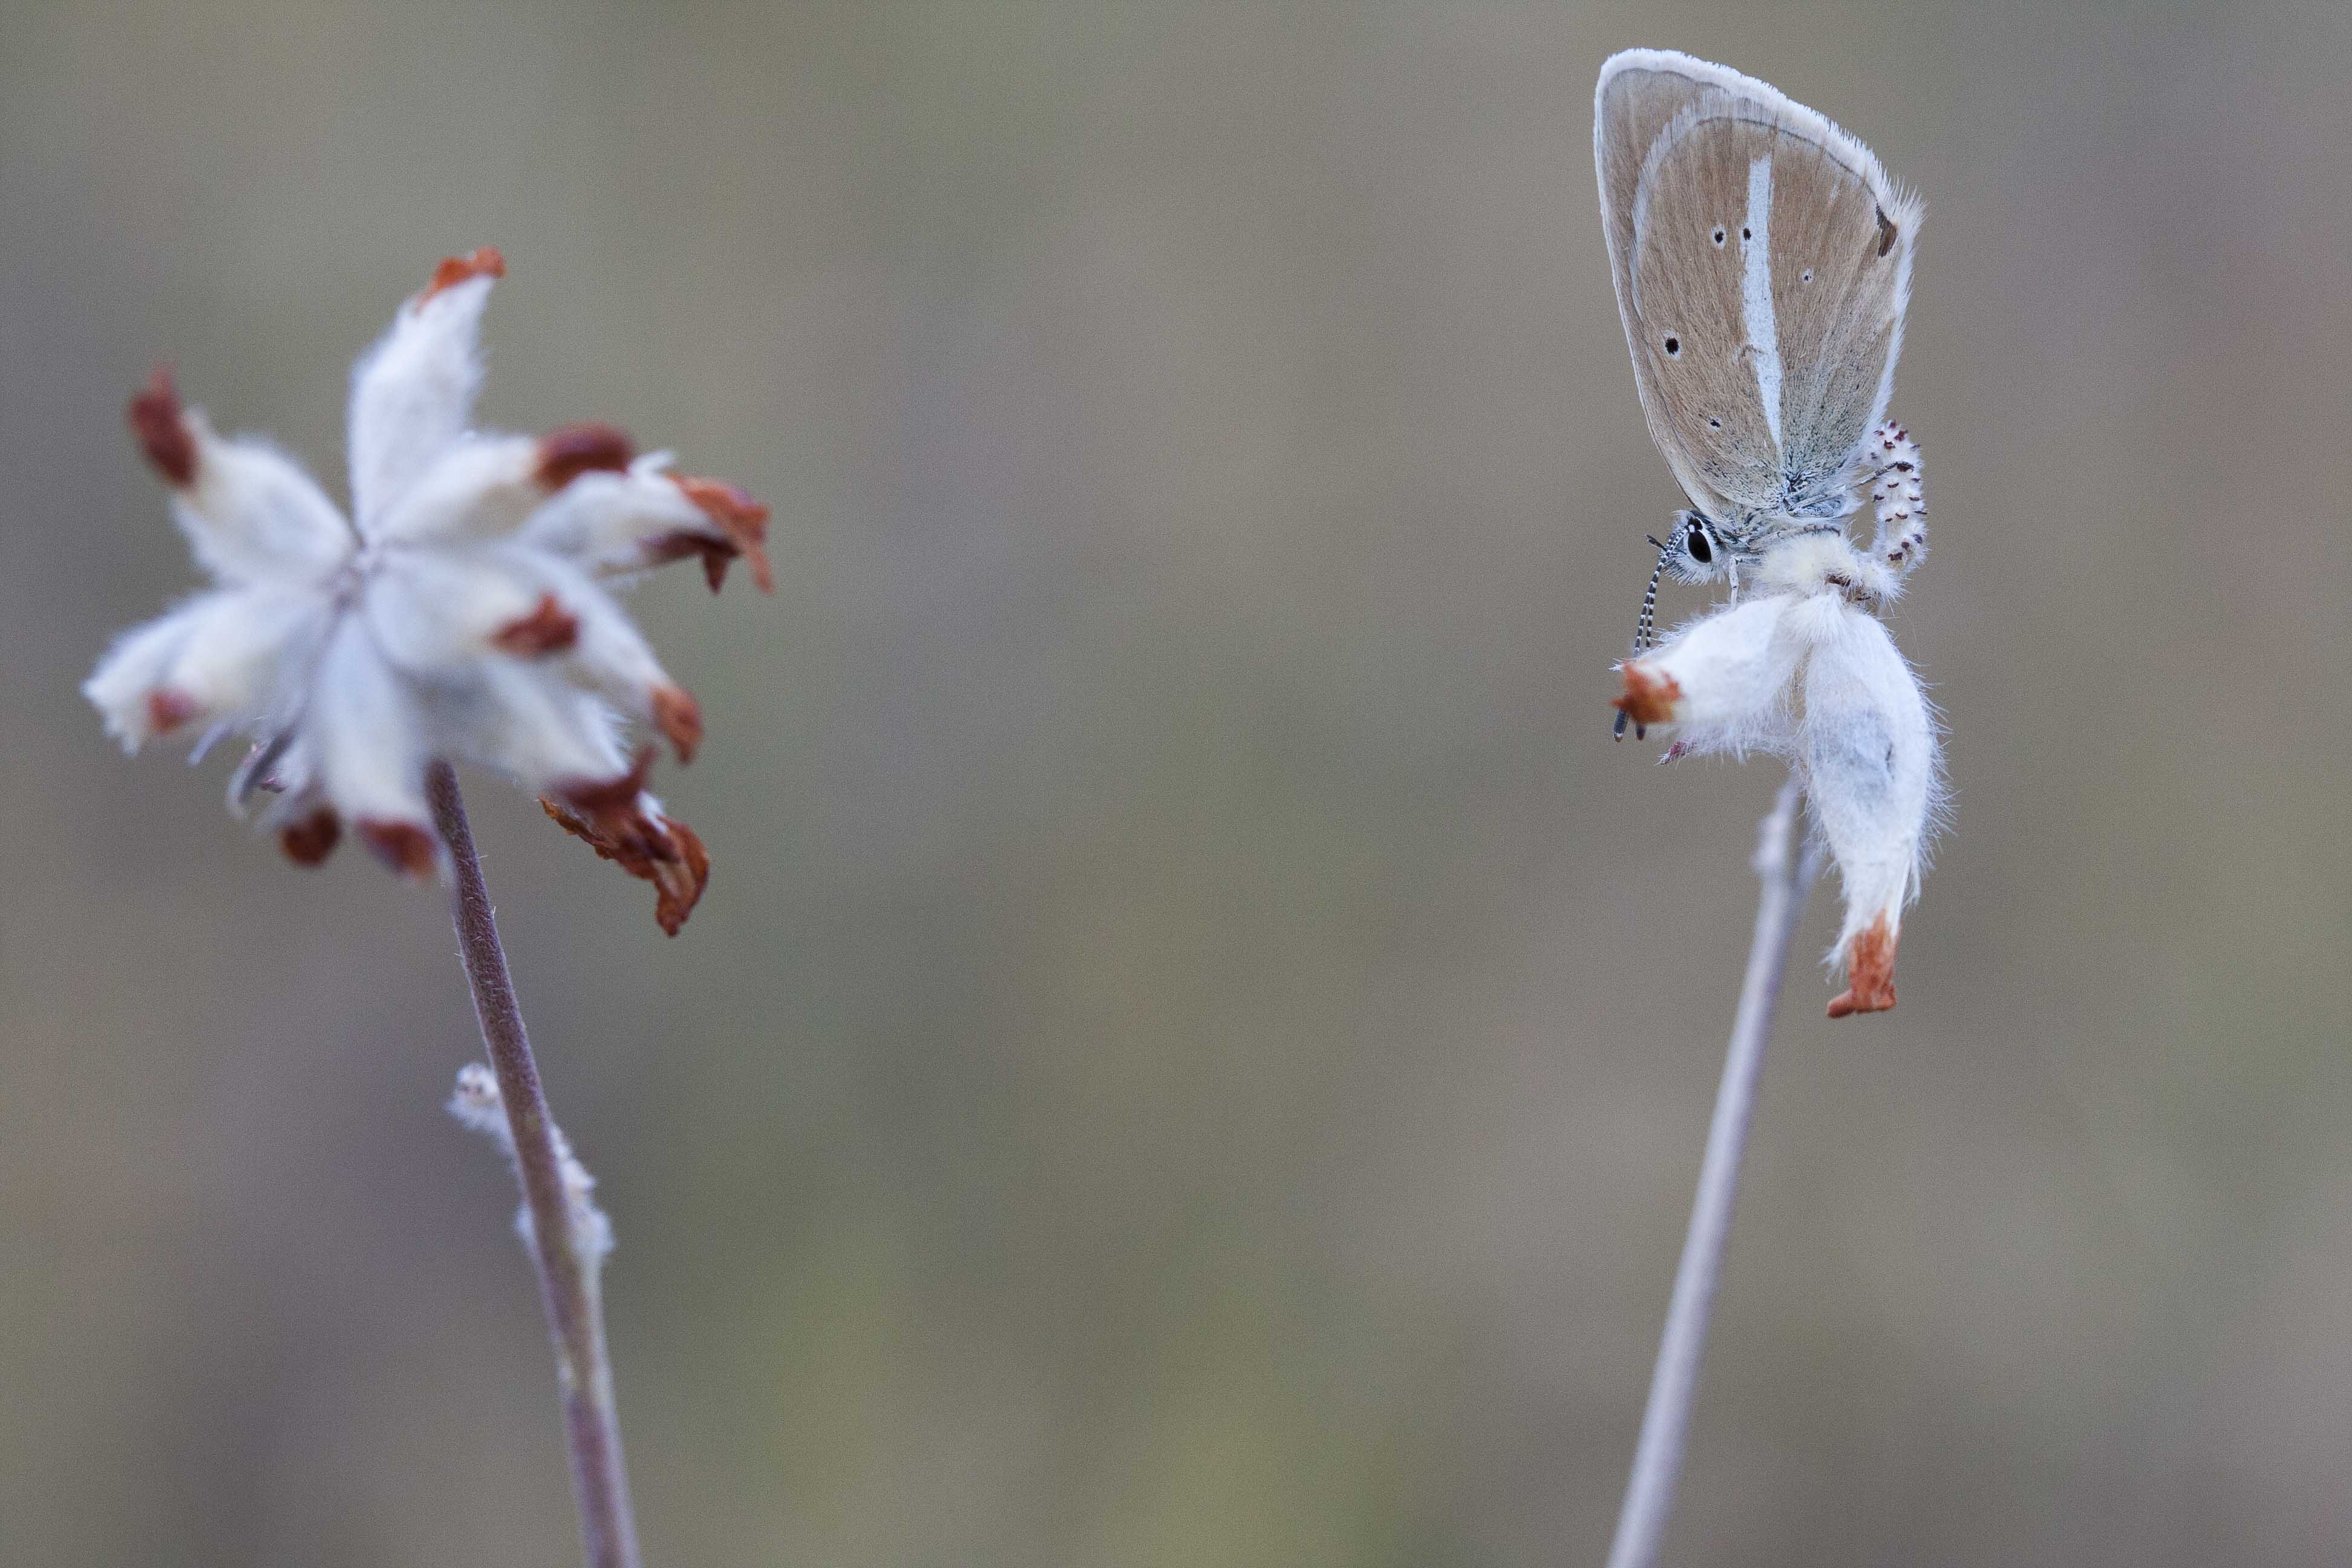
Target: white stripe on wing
[(1756, 294)]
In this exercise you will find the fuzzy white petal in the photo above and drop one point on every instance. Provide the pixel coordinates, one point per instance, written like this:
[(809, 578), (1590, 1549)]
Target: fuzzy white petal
[(617, 522), (1732, 673), (133, 669), (250, 512), (435, 612), (526, 721), (365, 731), (413, 394), (611, 657), (479, 487), (1867, 747), (249, 658)]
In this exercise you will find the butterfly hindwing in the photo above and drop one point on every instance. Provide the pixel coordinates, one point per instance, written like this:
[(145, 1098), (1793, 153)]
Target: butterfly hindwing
[(1841, 268)]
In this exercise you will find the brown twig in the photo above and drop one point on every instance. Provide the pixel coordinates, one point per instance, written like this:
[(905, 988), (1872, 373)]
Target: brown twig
[(567, 1262)]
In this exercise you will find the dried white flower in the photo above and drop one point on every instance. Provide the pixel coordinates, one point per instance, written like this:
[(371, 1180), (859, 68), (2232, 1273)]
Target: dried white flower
[(1797, 664), (465, 615)]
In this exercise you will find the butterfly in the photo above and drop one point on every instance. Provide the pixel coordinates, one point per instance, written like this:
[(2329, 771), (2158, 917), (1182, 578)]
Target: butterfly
[(1762, 263)]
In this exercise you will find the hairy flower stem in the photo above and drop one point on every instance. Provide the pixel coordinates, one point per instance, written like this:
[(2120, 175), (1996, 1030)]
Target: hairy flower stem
[(1665, 1423), (567, 1270)]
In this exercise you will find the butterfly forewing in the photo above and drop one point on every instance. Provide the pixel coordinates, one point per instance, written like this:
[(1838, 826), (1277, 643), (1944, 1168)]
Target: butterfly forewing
[(1761, 260), (1641, 94), (1698, 216)]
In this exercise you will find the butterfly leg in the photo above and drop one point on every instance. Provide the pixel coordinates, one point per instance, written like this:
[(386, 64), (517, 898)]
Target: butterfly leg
[(1893, 471)]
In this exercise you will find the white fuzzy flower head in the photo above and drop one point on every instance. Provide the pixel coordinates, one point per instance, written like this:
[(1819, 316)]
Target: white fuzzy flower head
[(1798, 665), (464, 611)]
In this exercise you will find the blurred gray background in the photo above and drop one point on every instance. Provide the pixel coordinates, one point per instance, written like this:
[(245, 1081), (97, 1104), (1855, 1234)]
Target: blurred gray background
[(1197, 1046)]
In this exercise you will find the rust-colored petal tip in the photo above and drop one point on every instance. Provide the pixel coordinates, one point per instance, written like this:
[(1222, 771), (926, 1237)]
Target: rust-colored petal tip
[(679, 719), (485, 262), (309, 842), (677, 885), (1870, 973), (161, 426), (1649, 697), (716, 554), (599, 798), (168, 708), (742, 518), (402, 847), (659, 850), (549, 629), (573, 450)]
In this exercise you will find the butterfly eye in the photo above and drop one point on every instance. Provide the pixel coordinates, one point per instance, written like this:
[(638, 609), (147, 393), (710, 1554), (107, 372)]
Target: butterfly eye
[(1700, 549)]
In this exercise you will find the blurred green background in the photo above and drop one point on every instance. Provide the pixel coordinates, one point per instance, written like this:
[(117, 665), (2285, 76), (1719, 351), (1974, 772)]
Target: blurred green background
[(1197, 1046)]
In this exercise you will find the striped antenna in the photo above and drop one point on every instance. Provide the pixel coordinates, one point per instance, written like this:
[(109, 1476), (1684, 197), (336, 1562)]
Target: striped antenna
[(1644, 631)]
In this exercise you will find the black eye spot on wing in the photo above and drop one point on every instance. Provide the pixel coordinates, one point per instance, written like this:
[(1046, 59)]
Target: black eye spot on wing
[(1806, 276), (1714, 424), (1887, 232), (1745, 234), (1674, 345), (1718, 234)]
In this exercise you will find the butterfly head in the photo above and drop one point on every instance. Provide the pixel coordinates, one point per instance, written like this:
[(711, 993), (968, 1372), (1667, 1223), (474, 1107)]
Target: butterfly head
[(1695, 551)]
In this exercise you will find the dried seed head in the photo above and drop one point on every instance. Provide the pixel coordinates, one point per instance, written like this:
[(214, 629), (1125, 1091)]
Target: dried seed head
[(462, 612)]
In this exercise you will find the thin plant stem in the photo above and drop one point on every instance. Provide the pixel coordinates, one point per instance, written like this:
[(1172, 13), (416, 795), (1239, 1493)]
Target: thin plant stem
[(1788, 880), (567, 1266)]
